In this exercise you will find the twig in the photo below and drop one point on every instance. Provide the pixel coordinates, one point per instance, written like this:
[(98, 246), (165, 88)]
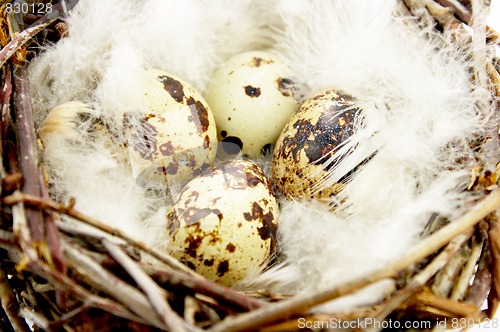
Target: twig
[(424, 248), (27, 147), (106, 282), (15, 44), (443, 15), (170, 276), (423, 277), (12, 182), (81, 217), (479, 54), (5, 100), (494, 77), (26, 35), (68, 317), (64, 282), (10, 305), (461, 286), (417, 9), (37, 318), (174, 278), (53, 241), (451, 308), (218, 292), (156, 295), (482, 282), (460, 10), (22, 232), (445, 279), (7, 240), (494, 237)]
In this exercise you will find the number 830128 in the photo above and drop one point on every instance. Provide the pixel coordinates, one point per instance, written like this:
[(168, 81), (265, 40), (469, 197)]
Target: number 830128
[(25, 8)]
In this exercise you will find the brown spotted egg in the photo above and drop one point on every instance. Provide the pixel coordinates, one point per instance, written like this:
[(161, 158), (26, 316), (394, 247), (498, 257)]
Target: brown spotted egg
[(312, 135), (223, 223), (172, 143), (252, 99)]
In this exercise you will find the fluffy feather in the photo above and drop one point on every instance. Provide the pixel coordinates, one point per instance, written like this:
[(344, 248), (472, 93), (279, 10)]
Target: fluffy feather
[(420, 113), (101, 64)]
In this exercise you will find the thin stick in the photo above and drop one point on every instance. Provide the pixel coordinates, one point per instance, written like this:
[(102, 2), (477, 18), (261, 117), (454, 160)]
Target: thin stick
[(26, 35), (424, 248), (66, 283), (10, 305), (445, 279), (5, 100), (494, 77), (417, 9), (482, 282), (442, 14), (71, 212), (423, 277), (105, 281), (460, 288), (205, 287), (175, 278), (460, 10), (156, 295), (37, 318), (451, 308), (68, 317), (27, 149), (22, 232), (494, 237)]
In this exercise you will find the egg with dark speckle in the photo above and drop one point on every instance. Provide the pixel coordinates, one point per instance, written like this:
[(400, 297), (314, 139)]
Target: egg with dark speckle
[(175, 139), (223, 223), (314, 133), (251, 96)]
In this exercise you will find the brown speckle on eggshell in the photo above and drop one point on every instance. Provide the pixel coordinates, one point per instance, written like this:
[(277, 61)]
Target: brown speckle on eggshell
[(320, 126), (173, 142), (252, 99), (223, 223)]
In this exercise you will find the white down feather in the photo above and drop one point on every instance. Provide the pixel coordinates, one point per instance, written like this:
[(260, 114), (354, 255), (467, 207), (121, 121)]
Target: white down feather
[(420, 113)]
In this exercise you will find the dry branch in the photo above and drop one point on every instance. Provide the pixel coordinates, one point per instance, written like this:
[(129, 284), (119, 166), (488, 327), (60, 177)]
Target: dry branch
[(155, 294), (27, 34), (427, 246)]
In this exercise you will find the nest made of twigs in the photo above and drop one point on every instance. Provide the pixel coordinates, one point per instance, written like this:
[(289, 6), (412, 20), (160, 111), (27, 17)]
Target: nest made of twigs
[(53, 277)]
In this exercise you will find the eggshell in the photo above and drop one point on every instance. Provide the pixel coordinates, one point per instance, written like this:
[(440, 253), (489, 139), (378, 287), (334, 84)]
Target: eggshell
[(311, 136), (223, 223), (252, 99), (173, 141)]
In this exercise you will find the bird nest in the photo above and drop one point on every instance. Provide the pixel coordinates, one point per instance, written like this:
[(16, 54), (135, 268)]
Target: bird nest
[(55, 277)]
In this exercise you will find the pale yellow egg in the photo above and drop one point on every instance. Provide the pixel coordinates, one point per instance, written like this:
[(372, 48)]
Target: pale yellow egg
[(314, 133), (251, 96), (223, 223), (175, 139)]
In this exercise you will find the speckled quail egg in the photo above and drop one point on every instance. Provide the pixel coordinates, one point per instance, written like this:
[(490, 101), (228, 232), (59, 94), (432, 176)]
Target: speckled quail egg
[(223, 223), (172, 143), (312, 135), (251, 96)]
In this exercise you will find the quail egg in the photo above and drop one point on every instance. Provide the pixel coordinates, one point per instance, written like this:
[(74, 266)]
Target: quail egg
[(223, 223), (172, 142), (312, 135), (251, 96)]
